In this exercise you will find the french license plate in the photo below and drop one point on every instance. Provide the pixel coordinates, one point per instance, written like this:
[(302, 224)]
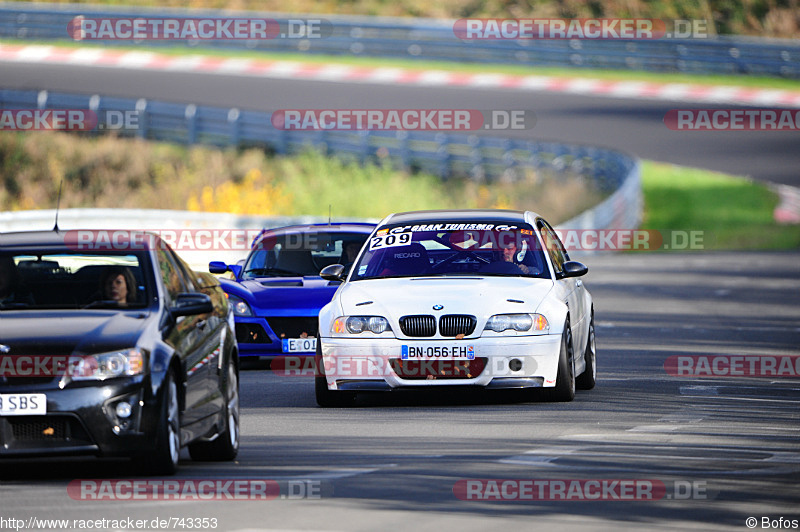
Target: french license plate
[(23, 404), (438, 352), (299, 345)]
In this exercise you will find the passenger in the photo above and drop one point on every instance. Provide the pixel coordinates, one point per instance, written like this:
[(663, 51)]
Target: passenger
[(118, 284)]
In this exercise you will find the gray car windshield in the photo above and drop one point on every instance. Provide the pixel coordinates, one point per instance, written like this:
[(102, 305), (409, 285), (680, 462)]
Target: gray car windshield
[(71, 280), (452, 249)]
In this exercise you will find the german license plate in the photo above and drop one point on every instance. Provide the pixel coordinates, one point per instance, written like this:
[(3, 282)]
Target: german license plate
[(438, 352), (299, 345), (23, 404)]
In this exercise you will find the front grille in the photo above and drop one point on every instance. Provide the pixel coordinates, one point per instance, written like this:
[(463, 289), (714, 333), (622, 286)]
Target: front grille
[(455, 324), (39, 430), (52, 430), (293, 327), (418, 326), (251, 333), (438, 369)]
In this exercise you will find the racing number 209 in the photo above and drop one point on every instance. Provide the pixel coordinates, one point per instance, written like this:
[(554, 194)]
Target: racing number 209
[(387, 241)]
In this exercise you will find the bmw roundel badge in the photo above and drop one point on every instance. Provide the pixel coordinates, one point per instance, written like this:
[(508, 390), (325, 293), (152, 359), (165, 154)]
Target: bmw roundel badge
[(438, 307)]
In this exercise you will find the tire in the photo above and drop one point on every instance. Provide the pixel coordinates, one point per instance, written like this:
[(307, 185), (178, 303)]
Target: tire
[(327, 398), (588, 378), (164, 458), (564, 390), (225, 446)]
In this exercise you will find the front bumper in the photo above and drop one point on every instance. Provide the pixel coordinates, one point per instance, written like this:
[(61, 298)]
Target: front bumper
[(80, 420), (256, 338), (364, 364)]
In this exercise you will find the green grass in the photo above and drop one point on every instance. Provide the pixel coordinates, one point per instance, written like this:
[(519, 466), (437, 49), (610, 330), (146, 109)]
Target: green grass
[(732, 212), (423, 64)]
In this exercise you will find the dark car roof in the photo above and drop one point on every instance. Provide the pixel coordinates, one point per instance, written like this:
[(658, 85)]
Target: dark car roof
[(457, 216), (69, 239), (348, 227)]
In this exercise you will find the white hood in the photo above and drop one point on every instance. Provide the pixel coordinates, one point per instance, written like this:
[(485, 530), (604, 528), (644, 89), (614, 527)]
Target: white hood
[(479, 296)]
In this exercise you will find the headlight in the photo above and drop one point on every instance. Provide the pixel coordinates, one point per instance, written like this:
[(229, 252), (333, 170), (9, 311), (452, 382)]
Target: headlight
[(123, 363), (240, 306), (517, 322), (359, 324)]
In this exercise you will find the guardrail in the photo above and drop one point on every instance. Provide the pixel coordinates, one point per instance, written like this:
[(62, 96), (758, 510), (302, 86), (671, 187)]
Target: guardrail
[(435, 40), (445, 155)]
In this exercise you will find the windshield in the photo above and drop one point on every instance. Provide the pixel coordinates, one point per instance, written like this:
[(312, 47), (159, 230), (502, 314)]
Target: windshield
[(65, 280), (439, 249), (301, 254)]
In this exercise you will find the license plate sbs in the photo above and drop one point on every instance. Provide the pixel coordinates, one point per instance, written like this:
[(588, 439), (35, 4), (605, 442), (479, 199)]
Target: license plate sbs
[(299, 345), (23, 404), (438, 352)]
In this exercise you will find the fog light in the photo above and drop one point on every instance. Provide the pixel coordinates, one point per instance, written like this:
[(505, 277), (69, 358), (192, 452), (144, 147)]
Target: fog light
[(123, 410), (515, 364)]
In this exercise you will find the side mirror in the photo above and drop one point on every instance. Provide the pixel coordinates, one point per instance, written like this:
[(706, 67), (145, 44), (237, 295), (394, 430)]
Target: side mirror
[(334, 272), (216, 266), (573, 268), (190, 304), (236, 269)]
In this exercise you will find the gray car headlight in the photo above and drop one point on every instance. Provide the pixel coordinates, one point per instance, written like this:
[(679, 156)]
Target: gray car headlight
[(360, 324), (535, 323), (122, 363)]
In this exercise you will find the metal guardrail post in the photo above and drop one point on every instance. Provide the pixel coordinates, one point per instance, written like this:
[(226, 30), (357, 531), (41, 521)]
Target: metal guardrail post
[(144, 122)]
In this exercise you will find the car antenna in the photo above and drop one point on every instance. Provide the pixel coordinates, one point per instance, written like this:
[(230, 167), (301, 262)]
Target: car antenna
[(58, 204), (329, 214)]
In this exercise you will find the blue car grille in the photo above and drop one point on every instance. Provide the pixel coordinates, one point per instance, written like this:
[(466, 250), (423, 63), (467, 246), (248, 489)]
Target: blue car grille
[(251, 333), (293, 327)]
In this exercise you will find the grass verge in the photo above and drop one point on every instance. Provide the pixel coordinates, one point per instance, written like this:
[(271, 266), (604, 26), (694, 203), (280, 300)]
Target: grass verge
[(469, 68), (132, 173), (733, 212)]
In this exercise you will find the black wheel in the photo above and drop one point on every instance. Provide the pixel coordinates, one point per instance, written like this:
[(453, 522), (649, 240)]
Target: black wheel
[(327, 398), (164, 459), (564, 390), (226, 445), (588, 378)]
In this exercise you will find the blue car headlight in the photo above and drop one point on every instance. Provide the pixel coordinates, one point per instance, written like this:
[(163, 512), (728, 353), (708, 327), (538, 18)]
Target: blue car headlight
[(240, 306)]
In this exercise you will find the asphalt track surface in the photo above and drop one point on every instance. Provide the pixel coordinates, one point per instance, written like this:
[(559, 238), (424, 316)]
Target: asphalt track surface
[(635, 126), (391, 462)]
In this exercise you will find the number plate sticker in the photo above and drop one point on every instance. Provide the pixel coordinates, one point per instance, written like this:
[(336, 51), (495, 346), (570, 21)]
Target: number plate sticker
[(299, 345), (389, 241), (23, 404), (438, 352)]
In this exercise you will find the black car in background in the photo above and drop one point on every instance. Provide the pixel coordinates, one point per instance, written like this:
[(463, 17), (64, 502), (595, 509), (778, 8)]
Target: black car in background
[(113, 349)]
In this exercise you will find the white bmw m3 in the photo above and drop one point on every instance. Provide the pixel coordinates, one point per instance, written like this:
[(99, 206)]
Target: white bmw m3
[(480, 298)]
